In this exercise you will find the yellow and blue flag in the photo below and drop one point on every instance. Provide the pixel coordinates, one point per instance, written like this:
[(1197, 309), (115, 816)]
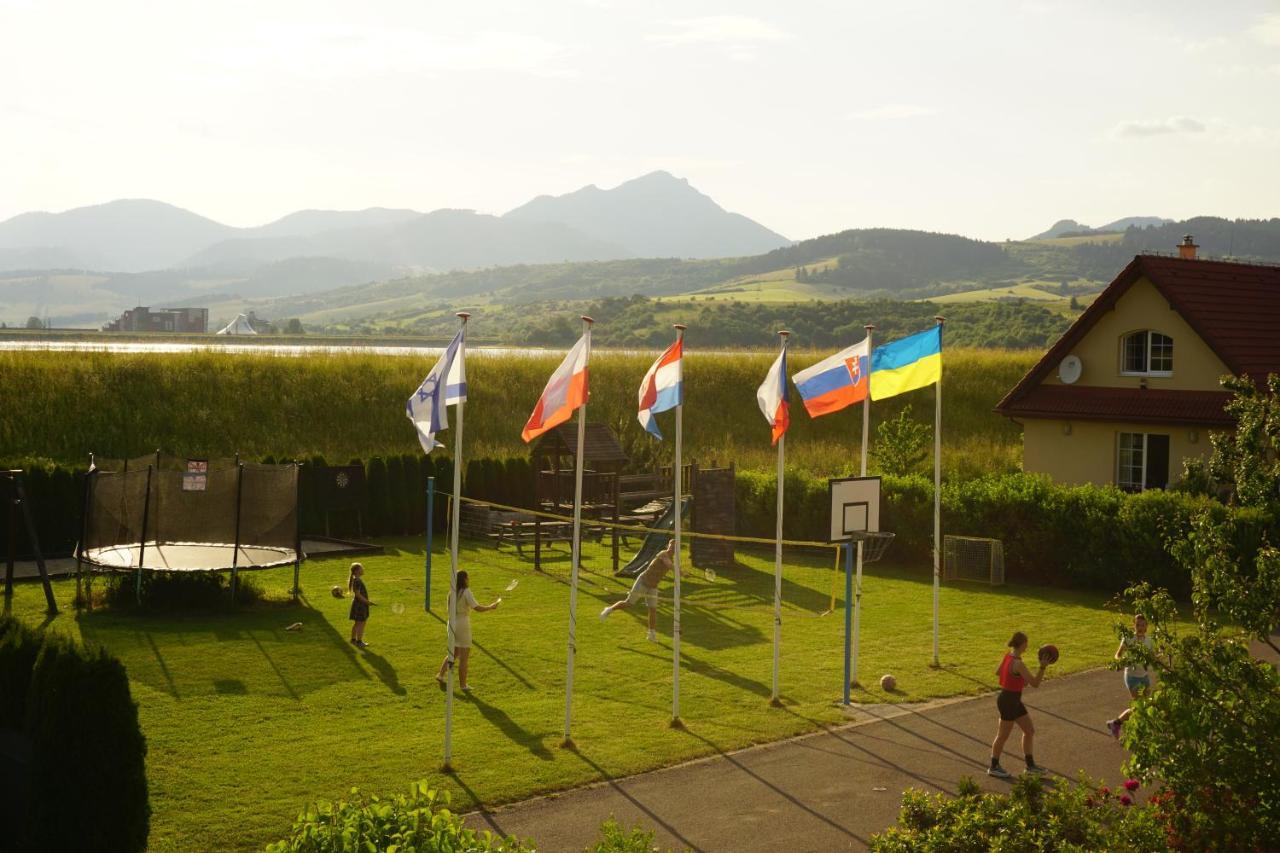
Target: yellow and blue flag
[(907, 364)]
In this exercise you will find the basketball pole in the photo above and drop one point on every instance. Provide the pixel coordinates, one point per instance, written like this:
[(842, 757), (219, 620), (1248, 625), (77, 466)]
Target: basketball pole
[(777, 556), (862, 468), (676, 477), (937, 492), (577, 547), (453, 545)]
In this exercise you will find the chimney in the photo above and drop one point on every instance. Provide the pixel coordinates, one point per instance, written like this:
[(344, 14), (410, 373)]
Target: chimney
[(1187, 248)]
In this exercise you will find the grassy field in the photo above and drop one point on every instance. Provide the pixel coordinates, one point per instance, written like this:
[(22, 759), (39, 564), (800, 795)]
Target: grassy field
[(346, 406), (247, 722)]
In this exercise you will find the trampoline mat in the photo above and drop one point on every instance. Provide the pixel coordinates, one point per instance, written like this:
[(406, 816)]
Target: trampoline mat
[(190, 556)]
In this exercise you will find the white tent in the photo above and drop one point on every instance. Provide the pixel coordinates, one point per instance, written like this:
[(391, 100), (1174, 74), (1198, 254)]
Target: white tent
[(238, 326)]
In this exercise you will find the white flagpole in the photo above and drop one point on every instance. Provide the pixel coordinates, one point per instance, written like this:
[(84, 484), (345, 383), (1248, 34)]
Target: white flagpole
[(937, 494), (676, 524), (862, 467), (453, 545), (577, 547), (777, 559)]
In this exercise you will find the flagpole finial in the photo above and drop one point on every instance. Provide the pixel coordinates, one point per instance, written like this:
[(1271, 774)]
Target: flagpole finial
[(587, 319), (785, 333), (463, 315), (679, 326), (939, 319), (871, 327)]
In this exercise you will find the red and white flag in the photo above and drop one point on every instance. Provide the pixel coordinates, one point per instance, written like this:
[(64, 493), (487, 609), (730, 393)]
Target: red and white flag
[(566, 391)]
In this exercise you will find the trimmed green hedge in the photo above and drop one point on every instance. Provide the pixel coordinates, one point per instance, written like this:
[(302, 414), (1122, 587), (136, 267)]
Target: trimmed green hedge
[(86, 779)]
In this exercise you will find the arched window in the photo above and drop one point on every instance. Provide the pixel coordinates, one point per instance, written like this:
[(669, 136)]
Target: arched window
[(1146, 353)]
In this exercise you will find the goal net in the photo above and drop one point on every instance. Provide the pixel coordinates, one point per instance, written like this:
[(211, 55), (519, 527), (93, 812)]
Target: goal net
[(973, 558)]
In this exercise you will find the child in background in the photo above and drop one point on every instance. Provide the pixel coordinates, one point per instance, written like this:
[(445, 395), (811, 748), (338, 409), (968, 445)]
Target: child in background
[(646, 587)]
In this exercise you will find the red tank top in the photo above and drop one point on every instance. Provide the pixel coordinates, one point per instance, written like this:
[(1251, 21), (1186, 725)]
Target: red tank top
[(1009, 680)]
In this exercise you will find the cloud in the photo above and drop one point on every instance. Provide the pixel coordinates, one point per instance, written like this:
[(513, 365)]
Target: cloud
[(892, 112), (726, 30), (1267, 30), (1160, 127)]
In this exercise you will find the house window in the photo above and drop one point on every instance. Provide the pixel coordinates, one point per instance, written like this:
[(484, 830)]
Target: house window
[(1147, 353), (1142, 461)]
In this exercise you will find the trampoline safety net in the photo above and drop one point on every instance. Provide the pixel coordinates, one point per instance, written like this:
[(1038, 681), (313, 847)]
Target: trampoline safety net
[(228, 516)]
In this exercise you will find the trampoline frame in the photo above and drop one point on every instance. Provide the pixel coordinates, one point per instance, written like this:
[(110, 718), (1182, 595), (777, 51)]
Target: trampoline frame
[(91, 556)]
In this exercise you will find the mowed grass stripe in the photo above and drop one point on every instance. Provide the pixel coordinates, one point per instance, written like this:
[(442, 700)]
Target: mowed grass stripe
[(247, 723)]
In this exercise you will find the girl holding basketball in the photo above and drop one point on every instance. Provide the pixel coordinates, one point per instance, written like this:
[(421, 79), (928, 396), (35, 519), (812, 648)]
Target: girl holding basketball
[(461, 602), (1014, 676), (359, 605)]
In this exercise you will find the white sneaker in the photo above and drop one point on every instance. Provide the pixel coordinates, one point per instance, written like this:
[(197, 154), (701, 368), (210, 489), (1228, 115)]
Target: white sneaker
[(604, 614), (652, 637)]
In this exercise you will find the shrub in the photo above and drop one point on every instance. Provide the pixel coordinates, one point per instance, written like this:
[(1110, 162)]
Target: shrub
[(376, 520), (19, 646), (1032, 816), (180, 591), (85, 738), (420, 820), (615, 839)]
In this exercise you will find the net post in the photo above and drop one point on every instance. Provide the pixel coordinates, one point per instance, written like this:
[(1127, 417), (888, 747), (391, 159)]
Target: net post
[(235, 550), (142, 538), (426, 568), (848, 617), (297, 530)]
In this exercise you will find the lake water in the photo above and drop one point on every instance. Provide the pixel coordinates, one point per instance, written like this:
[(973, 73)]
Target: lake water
[(271, 349)]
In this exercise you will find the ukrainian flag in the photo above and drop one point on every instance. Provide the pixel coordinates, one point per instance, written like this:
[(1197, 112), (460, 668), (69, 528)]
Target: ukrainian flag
[(908, 364)]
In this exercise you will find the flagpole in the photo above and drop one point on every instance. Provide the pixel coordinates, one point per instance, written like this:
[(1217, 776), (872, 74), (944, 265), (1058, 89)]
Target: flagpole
[(937, 493), (462, 316), (775, 699), (577, 545), (676, 524), (862, 467)]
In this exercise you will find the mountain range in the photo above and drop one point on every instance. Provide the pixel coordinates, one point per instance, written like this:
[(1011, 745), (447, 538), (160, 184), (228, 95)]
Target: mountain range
[(1069, 227), (657, 215)]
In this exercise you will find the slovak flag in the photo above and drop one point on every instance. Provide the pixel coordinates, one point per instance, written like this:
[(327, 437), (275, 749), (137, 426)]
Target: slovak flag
[(444, 386), (837, 381), (662, 388), (773, 397), (566, 391)]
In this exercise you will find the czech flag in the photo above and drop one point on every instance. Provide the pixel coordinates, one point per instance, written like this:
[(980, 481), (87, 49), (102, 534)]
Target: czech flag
[(566, 391), (908, 364), (662, 388), (837, 381), (773, 397)]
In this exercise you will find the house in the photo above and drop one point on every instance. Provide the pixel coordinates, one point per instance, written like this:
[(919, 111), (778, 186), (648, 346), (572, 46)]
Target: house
[(143, 319), (1131, 391)]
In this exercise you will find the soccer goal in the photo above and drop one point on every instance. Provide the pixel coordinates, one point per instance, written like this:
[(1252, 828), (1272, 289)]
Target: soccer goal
[(973, 558)]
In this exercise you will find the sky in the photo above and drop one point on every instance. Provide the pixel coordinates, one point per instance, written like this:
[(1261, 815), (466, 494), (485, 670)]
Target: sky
[(988, 119)]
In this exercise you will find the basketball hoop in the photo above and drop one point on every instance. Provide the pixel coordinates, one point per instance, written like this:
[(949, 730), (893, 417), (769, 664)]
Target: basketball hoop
[(874, 544)]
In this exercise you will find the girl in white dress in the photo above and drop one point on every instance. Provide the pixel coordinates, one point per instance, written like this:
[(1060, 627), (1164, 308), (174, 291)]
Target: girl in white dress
[(466, 602)]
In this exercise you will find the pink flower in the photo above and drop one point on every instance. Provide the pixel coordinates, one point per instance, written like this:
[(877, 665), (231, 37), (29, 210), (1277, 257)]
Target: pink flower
[(1104, 791), (1131, 784), (1124, 798)]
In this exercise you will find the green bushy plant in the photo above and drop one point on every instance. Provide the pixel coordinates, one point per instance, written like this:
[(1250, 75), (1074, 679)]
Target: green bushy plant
[(180, 591), (900, 443), (616, 839), (19, 646), (418, 821), (1033, 816)]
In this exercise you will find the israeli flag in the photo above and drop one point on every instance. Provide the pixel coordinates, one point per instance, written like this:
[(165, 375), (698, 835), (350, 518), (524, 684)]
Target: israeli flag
[(445, 385)]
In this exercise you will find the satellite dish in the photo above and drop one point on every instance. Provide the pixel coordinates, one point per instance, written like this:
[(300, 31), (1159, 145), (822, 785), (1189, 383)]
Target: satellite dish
[(1070, 369)]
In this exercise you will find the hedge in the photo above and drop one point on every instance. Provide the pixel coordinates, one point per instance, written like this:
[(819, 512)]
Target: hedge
[(82, 725)]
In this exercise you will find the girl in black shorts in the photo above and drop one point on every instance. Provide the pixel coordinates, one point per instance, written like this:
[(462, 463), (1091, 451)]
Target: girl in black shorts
[(1014, 675)]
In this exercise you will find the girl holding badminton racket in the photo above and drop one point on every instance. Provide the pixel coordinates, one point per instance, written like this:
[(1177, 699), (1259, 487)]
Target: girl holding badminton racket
[(465, 603)]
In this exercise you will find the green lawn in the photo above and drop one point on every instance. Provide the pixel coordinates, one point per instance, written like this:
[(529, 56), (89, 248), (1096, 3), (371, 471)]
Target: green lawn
[(247, 722)]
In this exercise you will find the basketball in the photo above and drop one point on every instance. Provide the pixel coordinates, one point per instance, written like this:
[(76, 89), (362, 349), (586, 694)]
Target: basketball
[(1048, 654), (336, 592), (888, 682)]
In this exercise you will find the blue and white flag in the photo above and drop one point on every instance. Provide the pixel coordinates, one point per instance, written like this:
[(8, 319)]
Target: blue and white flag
[(445, 385)]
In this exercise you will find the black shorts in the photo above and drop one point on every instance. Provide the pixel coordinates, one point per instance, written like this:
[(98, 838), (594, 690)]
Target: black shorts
[(1009, 703)]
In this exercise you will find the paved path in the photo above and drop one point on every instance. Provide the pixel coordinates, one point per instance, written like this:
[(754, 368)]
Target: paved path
[(830, 790)]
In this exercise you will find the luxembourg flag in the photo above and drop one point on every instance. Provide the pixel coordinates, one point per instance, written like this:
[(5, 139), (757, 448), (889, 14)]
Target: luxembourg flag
[(773, 397), (444, 386), (566, 391), (662, 388), (837, 381)]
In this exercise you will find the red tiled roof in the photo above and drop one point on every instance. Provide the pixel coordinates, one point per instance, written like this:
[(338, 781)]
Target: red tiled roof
[(1082, 402), (1233, 307)]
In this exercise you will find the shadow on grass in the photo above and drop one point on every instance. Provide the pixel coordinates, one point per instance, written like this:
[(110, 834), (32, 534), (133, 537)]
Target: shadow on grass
[(232, 652), (514, 732), (698, 666), (385, 671), (529, 685)]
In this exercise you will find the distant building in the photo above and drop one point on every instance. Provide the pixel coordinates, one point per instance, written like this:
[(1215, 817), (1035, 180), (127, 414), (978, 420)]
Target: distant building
[(1131, 391), (142, 319)]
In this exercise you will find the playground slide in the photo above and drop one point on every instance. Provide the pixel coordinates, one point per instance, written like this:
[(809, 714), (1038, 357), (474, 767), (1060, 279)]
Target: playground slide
[(654, 542)]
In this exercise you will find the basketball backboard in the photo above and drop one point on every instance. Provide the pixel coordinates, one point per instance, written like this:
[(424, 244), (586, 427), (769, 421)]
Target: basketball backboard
[(855, 507)]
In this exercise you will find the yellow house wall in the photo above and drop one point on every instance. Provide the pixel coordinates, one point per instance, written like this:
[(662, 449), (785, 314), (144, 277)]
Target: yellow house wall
[(1076, 452), (1195, 367)]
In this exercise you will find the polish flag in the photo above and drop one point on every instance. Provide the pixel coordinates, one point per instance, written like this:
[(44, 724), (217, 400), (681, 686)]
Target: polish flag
[(566, 390)]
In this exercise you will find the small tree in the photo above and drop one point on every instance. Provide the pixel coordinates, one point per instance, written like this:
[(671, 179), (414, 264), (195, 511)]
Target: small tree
[(900, 443), (34, 322), (294, 327)]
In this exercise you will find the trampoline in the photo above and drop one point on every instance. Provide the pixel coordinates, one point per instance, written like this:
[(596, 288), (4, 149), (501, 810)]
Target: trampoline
[(158, 513)]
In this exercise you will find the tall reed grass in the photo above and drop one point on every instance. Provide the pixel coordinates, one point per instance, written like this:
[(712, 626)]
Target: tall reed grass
[(60, 406)]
